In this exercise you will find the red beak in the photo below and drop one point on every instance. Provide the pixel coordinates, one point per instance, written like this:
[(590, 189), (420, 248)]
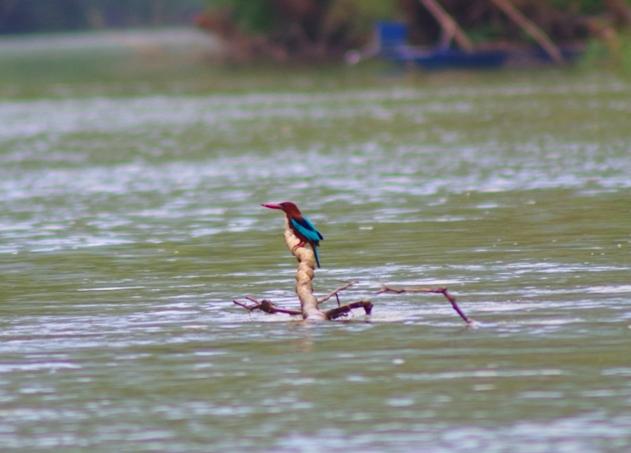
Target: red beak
[(272, 206)]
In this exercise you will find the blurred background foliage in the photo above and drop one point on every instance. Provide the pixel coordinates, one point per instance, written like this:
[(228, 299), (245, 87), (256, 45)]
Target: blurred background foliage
[(314, 30), (308, 29), (282, 29)]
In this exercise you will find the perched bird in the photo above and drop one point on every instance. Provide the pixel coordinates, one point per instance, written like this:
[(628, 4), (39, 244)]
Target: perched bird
[(302, 227)]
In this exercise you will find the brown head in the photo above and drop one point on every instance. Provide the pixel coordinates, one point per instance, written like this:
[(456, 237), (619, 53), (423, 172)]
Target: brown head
[(287, 207)]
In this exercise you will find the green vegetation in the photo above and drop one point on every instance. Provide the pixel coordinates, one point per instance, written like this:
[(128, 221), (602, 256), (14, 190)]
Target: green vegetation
[(307, 29), (609, 55), (318, 30), (294, 29)]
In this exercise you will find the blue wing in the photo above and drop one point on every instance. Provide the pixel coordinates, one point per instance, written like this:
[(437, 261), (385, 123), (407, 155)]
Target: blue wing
[(307, 229)]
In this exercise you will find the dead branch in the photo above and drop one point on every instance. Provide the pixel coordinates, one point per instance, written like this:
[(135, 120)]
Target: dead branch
[(265, 306), (450, 28), (452, 300), (336, 312), (336, 292), (529, 27), (309, 304)]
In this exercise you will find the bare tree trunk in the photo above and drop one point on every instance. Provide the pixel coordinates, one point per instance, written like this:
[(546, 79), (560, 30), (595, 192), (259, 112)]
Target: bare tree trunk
[(529, 27)]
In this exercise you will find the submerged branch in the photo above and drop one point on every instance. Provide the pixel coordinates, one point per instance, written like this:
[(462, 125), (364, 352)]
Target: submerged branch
[(337, 312), (452, 300), (266, 306)]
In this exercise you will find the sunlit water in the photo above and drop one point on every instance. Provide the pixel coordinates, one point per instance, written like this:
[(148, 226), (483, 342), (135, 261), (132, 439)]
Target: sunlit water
[(129, 223)]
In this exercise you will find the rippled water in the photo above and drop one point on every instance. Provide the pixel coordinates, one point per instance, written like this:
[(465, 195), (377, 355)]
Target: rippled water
[(129, 223)]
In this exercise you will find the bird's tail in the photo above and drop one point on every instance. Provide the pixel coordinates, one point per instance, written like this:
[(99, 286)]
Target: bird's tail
[(315, 253)]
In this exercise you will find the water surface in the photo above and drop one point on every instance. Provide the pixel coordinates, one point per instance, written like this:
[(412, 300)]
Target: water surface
[(131, 219)]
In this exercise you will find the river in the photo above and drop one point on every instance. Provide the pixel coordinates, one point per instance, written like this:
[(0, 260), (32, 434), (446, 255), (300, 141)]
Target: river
[(130, 219)]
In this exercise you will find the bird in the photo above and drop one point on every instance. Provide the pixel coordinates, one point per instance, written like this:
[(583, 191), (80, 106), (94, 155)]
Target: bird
[(302, 227)]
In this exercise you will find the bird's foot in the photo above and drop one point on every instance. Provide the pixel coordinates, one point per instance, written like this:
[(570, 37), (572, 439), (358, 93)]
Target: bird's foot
[(297, 246)]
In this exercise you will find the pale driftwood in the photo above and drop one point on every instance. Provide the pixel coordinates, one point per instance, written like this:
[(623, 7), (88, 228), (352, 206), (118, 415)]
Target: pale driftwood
[(305, 274), (417, 289), (304, 284), (451, 29), (529, 27)]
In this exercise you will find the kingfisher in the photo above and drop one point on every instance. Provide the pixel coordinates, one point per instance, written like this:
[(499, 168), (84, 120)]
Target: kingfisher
[(302, 227)]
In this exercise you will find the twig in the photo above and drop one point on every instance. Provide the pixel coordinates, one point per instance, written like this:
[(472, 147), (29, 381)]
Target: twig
[(335, 313), (241, 304), (336, 292), (265, 306), (452, 300)]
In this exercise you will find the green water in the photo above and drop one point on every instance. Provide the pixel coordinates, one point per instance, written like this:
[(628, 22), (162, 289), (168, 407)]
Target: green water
[(130, 219)]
